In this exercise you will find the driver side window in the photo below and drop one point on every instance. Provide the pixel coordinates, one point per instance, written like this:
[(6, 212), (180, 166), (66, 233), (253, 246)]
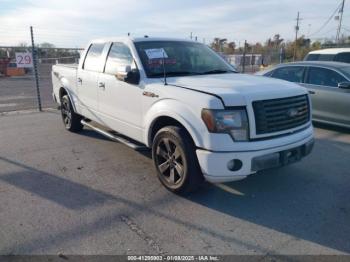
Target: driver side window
[(324, 77), (119, 55)]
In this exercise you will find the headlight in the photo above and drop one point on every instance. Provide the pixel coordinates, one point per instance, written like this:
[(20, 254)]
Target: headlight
[(233, 122)]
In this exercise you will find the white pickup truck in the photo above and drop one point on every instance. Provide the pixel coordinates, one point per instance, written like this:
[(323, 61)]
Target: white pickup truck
[(201, 118)]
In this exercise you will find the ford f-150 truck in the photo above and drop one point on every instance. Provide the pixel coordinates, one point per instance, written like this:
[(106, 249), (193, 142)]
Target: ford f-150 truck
[(201, 119)]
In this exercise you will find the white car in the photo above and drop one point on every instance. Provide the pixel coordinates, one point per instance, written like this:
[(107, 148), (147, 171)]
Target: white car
[(329, 54), (201, 118)]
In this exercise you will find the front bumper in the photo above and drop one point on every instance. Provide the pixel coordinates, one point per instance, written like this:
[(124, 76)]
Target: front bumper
[(215, 165)]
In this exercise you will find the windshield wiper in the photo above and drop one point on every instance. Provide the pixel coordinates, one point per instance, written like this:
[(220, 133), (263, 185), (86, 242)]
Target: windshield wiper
[(189, 73), (217, 71), (178, 73)]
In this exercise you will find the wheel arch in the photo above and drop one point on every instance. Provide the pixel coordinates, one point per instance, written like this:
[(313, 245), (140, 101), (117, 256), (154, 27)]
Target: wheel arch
[(172, 112), (64, 91), (165, 120)]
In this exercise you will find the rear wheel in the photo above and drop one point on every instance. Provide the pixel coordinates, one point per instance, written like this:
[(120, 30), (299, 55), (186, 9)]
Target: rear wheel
[(175, 160), (71, 120)]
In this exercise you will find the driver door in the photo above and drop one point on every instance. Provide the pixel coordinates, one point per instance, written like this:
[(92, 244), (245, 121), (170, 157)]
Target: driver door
[(330, 103), (120, 105)]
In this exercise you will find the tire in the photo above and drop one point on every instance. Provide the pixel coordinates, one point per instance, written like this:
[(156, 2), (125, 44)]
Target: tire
[(174, 158), (71, 120)]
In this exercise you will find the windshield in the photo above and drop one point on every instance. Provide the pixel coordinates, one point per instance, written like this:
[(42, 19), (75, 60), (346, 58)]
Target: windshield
[(181, 58)]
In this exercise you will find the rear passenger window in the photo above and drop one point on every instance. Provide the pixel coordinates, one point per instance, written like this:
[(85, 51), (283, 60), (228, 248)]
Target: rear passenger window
[(269, 74), (343, 57), (326, 57), (312, 57), (290, 73), (119, 55), (93, 60), (324, 77), (320, 57)]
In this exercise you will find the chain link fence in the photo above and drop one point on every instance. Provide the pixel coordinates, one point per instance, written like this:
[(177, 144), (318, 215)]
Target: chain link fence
[(17, 85), (252, 62)]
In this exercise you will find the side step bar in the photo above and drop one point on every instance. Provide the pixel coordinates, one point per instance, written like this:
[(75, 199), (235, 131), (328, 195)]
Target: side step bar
[(115, 137)]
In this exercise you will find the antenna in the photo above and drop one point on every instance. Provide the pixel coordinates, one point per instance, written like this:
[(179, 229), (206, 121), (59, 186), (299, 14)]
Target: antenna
[(165, 82)]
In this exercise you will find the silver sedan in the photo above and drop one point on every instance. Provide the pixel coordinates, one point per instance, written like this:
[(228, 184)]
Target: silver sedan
[(327, 82)]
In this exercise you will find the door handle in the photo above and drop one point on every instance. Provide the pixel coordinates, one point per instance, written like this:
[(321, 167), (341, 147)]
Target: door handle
[(80, 80), (102, 85), (312, 92)]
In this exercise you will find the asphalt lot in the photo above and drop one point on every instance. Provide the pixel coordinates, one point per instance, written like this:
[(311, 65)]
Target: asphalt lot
[(19, 93), (83, 194)]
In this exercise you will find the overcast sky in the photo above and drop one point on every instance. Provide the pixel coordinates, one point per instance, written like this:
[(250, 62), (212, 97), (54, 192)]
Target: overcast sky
[(73, 22)]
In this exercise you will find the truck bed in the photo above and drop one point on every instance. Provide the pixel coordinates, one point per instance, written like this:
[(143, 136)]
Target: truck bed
[(68, 65), (64, 75)]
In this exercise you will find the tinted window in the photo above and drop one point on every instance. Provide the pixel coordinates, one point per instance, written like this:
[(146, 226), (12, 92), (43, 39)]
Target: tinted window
[(312, 57), (119, 55), (346, 71), (290, 73), (343, 57), (93, 61), (320, 57), (324, 77), (268, 74)]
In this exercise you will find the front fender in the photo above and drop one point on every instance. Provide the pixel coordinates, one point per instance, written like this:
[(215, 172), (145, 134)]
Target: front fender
[(186, 116)]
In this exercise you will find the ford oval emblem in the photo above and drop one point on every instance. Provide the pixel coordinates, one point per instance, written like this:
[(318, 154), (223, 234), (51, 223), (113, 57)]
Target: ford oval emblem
[(293, 112)]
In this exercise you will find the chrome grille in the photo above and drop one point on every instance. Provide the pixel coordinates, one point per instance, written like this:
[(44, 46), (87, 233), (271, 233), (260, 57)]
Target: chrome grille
[(280, 114)]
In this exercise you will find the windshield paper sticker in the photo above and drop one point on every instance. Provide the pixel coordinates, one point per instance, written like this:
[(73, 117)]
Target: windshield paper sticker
[(156, 53)]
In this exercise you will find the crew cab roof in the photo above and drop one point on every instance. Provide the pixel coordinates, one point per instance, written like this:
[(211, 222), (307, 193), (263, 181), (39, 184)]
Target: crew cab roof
[(137, 39)]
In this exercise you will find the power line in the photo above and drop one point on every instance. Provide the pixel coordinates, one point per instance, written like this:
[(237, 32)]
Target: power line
[(326, 23), (326, 33), (345, 28)]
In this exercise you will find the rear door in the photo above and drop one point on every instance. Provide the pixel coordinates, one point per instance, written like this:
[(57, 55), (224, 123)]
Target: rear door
[(289, 73), (87, 78), (329, 102)]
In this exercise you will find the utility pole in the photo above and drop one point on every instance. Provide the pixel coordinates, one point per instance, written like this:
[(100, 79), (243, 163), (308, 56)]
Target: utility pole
[(296, 37), (341, 11), (35, 63), (244, 53)]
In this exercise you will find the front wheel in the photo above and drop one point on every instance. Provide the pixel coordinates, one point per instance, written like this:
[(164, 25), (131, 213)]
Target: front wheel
[(175, 160), (71, 120)]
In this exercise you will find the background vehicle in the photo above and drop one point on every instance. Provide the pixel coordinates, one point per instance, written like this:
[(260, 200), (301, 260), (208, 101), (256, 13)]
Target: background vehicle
[(327, 82), (330, 54), (178, 97)]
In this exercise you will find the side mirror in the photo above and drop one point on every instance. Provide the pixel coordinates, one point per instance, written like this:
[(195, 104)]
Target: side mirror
[(128, 75), (122, 72), (344, 85)]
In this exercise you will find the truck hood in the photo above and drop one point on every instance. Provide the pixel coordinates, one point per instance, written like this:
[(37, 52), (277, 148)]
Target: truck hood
[(239, 89)]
